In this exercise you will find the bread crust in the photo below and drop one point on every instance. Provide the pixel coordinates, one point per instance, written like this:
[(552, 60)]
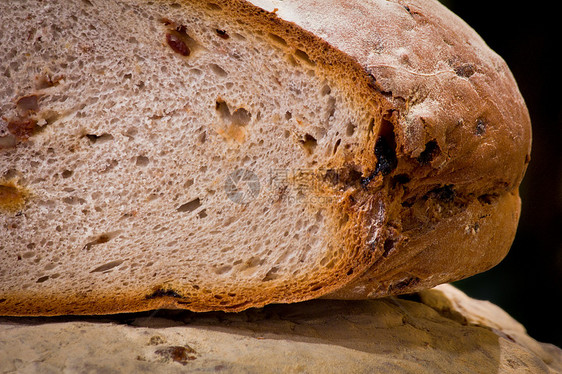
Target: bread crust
[(459, 120), (460, 136)]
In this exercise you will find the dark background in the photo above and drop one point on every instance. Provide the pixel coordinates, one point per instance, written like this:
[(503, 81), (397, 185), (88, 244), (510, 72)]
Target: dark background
[(528, 283)]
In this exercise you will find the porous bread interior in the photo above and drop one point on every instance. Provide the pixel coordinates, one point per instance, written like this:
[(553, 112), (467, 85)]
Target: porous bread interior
[(126, 172)]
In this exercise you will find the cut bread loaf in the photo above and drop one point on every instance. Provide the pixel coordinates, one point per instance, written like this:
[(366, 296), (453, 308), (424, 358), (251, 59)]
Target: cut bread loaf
[(226, 155)]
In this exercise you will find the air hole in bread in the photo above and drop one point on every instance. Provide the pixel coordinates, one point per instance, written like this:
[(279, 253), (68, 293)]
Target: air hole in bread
[(277, 39), (385, 149), (107, 266), (303, 56), (222, 34), (350, 129), (28, 254), (223, 269), (218, 70), (371, 127), (336, 146), (331, 107), (480, 127), (388, 247), (326, 90), (42, 279), (309, 143), (100, 239), (202, 213), (288, 115), (241, 117), (431, 151), (109, 165), (73, 200), (202, 138), (142, 161), (67, 173), (291, 60), (272, 274), (190, 206), (445, 194), (400, 179), (214, 7), (222, 109), (163, 292), (99, 139), (488, 199)]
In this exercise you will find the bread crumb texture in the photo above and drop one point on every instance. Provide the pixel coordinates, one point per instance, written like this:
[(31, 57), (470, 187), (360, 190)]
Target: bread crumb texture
[(226, 155)]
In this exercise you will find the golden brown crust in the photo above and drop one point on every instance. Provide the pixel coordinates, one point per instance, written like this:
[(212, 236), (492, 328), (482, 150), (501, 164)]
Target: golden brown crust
[(456, 137)]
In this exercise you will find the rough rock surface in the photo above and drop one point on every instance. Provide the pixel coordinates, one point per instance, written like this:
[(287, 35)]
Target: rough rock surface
[(435, 331)]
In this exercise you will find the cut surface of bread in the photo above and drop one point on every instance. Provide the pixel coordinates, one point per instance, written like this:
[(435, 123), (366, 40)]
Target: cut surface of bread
[(227, 155)]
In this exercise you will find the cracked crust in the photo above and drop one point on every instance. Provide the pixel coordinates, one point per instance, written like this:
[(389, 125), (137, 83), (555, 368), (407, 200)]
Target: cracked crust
[(428, 195)]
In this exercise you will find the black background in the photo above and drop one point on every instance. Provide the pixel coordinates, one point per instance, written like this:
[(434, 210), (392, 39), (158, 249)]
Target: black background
[(528, 283)]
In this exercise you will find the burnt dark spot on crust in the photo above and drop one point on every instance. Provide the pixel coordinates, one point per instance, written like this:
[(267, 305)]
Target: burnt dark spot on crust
[(465, 70), (386, 160), (431, 151), (180, 354), (480, 128), (365, 181), (386, 157), (162, 292), (385, 149)]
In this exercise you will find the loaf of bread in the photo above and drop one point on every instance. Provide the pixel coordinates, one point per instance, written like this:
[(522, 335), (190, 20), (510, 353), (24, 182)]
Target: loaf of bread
[(222, 155)]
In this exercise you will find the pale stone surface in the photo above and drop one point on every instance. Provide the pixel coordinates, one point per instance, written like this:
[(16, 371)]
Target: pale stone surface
[(435, 331)]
